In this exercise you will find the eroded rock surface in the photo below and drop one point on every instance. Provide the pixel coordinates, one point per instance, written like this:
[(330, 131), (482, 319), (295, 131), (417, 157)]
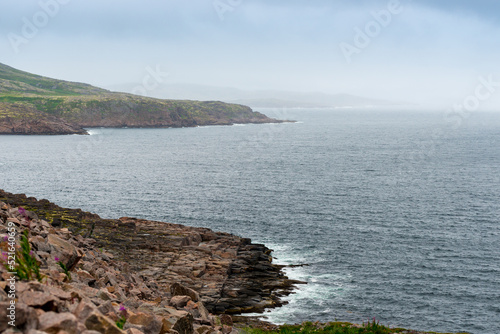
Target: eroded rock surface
[(167, 277)]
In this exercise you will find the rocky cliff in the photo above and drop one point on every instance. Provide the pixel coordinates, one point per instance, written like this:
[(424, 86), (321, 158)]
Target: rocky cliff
[(28, 120), (230, 273)]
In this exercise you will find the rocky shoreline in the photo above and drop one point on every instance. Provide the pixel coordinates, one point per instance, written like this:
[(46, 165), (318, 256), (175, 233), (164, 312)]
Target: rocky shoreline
[(135, 276), (153, 269)]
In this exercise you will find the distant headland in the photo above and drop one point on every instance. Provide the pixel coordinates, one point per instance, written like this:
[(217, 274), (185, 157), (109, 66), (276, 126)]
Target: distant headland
[(35, 105)]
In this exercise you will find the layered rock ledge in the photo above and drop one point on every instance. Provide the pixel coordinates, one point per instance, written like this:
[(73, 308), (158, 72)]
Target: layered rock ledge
[(134, 276), (231, 274)]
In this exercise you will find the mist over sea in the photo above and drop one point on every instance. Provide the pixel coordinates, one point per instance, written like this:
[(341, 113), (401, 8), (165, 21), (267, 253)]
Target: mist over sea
[(397, 213)]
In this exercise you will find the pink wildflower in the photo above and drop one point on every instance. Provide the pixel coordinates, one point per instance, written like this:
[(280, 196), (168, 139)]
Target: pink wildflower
[(123, 310)]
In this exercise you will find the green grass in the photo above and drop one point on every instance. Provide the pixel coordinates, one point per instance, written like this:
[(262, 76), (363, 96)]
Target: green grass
[(27, 267), (331, 328)]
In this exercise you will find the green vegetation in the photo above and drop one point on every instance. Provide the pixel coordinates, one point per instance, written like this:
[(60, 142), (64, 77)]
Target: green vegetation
[(121, 322), (123, 317), (27, 267), (372, 327), (64, 268)]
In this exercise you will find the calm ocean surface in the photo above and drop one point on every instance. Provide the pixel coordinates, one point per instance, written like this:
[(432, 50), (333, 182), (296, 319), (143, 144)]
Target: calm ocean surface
[(396, 213)]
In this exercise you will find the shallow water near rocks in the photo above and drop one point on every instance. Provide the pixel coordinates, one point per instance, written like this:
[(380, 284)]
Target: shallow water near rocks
[(396, 212)]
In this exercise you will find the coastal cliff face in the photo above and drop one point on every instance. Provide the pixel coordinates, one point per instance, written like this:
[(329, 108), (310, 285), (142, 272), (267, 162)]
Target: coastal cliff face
[(230, 274), (125, 110), (27, 120), (32, 104)]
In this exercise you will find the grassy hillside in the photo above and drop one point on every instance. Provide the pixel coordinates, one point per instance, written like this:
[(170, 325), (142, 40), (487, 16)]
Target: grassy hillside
[(15, 82), (28, 99)]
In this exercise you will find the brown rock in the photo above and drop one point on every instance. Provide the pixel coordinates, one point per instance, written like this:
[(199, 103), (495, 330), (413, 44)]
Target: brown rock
[(52, 322), (150, 324), (39, 299), (83, 274), (107, 307), (59, 293), (204, 329), (84, 309), (45, 224), (205, 315), (177, 289), (105, 295), (184, 325), (246, 280), (25, 317), (40, 243), (98, 322), (13, 220), (179, 301), (166, 325), (134, 331), (113, 316), (66, 252), (226, 319)]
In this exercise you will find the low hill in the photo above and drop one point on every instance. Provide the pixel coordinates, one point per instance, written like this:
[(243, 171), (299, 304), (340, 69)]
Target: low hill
[(261, 98), (33, 104)]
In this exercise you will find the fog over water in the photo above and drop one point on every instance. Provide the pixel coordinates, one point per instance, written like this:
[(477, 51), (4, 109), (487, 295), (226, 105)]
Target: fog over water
[(395, 222), (421, 52)]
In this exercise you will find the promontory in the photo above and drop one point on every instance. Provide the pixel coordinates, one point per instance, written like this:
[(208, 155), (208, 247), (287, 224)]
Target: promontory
[(33, 104)]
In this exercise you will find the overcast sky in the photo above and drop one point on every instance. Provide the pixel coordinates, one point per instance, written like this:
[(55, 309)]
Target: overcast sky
[(419, 51)]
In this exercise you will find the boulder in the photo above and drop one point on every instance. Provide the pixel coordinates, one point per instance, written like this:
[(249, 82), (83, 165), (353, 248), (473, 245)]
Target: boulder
[(102, 324), (66, 252), (177, 289), (149, 323), (58, 293), (26, 317), (179, 301), (52, 322), (204, 330), (183, 324), (39, 299), (105, 295), (226, 319), (40, 243), (205, 315)]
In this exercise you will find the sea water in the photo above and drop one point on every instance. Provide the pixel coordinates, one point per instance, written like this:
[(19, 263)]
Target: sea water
[(395, 213)]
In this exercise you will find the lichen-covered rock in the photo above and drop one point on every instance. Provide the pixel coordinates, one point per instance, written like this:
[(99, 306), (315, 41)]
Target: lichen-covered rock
[(184, 325)]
